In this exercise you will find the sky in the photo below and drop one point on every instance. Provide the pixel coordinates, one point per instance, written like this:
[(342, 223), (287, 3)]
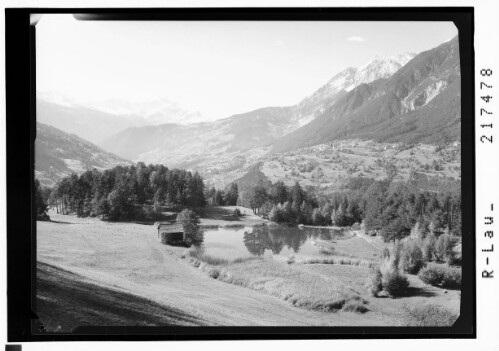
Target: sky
[(216, 68)]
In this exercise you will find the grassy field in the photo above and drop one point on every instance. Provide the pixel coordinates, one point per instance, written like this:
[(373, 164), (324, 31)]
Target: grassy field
[(67, 300), (92, 272), (223, 216)]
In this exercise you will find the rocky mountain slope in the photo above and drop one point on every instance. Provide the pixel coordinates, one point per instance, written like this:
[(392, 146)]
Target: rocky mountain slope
[(58, 154), (347, 80), (419, 103)]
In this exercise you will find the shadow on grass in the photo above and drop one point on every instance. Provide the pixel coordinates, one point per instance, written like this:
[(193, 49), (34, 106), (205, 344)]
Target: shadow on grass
[(412, 291), (59, 222), (65, 301)]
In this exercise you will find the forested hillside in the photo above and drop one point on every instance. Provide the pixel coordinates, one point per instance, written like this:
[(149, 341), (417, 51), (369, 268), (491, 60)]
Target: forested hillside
[(58, 154)]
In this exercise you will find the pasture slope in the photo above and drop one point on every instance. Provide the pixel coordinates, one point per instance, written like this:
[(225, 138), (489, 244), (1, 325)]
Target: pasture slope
[(110, 274), (102, 261)]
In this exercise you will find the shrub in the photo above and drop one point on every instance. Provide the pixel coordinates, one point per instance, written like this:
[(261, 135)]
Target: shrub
[(237, 213), (214, 273), (355, 306), (441, 275), (429, 316), (452, 278), (411, 257), (375, 285), (394, 283), (431, 275)]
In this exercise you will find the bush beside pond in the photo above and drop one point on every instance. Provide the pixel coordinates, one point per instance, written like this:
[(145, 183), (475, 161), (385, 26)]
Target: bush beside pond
[(441, 275)]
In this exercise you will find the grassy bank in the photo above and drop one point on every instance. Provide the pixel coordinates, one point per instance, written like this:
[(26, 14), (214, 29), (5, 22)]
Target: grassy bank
[(223, 216), (280, 279)]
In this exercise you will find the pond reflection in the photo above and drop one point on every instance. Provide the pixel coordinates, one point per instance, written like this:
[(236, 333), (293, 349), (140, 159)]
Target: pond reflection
[(263, 238), (259, 240)]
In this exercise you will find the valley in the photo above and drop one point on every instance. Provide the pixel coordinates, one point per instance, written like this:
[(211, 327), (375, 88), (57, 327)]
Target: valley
[(337, 210), (391, 111)]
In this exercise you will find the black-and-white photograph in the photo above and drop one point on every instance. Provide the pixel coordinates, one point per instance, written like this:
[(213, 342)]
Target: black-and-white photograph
[(247, 173)]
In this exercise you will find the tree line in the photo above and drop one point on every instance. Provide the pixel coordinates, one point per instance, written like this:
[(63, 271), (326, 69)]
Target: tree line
[(388, 208), (128, 192), (219, 197)]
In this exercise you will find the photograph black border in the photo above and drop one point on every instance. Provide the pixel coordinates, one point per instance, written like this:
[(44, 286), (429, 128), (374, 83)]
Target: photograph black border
[(22, 321)]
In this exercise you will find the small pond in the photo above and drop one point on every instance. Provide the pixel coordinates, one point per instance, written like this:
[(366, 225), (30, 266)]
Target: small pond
[(232, 243)]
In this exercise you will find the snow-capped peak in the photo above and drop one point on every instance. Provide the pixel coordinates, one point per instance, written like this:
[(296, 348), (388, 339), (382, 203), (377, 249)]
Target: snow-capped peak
[(347, 80), (379, 67), (56, 98), (154, 111), (138, 111)]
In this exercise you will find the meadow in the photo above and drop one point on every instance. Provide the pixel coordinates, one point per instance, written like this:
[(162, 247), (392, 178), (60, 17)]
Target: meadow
[(120, 274)]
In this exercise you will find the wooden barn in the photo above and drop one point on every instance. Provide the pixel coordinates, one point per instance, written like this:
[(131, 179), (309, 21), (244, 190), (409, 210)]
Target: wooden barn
[(170, 233)]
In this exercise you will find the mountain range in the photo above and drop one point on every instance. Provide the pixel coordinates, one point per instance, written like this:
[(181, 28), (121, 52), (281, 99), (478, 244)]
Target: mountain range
[(419, 103), (176, 144), (406, 98)]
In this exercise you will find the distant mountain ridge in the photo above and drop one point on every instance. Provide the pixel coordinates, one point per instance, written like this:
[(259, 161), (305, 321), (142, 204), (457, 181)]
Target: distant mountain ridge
[(347, 80), (420, 102), (89, 124), (97, 120), (404, 98), (58, 154), (172, 143), (149, 112)]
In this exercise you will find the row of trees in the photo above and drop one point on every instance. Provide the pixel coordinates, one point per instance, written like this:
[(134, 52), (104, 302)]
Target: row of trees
[(393, 209), (388, 208), (128, 192), (222, 198)]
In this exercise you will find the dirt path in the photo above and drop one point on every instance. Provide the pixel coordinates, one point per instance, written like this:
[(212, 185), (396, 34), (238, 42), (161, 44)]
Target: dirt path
[(128, 258)]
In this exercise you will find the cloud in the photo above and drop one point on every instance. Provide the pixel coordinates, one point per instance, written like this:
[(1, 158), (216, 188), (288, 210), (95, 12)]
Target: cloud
[(356, 38)]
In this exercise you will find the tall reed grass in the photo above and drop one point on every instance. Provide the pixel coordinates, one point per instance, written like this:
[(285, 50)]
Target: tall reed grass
[(280, 279), (340, 260)]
